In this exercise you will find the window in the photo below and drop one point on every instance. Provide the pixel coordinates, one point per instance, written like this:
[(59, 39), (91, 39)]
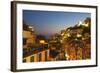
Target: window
[(24, 41), (24, 60), (45, 55), (46, 46), (40, 57), (32, 59)]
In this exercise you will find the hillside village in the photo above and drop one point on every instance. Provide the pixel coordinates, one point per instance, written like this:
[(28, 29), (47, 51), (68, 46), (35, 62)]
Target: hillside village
[(72, 43)]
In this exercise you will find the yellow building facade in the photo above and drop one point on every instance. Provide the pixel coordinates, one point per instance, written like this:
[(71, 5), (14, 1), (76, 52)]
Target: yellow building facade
[(28, 37), (41, 56)]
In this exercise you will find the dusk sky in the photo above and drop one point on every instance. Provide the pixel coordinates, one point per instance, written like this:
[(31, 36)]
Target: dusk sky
[(50, 22)]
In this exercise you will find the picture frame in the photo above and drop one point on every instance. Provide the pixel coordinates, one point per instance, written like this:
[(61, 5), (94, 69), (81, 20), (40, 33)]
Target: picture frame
[(78, 37)]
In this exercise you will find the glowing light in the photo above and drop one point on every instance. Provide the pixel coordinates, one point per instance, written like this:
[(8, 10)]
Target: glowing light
[(80, 23), (31, 28), (67, 56), (62, 34), (68, 35), (78, 35), (83, 24), (42, 41)]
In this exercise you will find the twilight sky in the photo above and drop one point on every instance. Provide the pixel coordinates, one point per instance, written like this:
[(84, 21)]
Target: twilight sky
[(50, 22)]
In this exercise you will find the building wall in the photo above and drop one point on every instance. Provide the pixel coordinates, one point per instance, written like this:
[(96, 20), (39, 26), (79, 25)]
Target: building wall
[(30, 38), (36, 56)]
